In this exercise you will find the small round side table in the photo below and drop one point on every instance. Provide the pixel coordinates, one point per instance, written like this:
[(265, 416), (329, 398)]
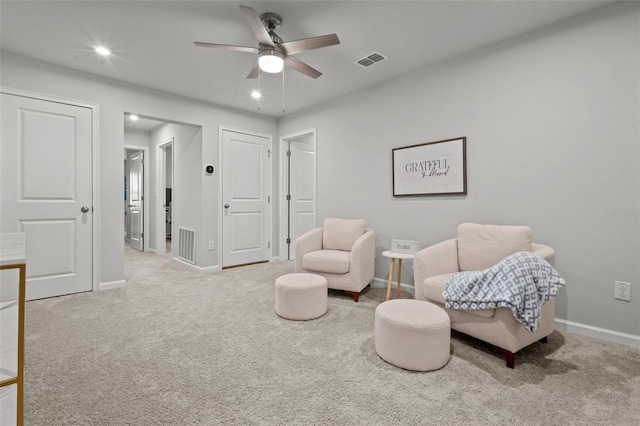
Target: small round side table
[(393, 256)]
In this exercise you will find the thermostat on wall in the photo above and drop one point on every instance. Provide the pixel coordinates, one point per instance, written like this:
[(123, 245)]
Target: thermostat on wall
[(209, 169)]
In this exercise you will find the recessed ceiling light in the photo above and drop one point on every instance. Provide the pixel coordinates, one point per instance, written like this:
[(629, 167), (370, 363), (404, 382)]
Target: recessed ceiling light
[(103, 50), (256, 95), (133, 117)]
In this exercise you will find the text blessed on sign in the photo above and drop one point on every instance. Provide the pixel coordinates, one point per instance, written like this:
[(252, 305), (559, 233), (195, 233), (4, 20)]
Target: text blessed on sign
[(433, 168)]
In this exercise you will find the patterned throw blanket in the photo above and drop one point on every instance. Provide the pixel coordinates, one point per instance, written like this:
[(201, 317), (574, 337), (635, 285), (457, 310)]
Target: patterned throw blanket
[(521, 282)]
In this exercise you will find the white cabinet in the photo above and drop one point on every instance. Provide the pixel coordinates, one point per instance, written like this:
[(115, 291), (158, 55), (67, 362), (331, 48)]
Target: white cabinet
[(12, 305)]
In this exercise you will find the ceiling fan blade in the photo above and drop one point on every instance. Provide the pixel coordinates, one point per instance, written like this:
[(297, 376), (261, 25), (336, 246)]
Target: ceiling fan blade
[(254, 71), (297, 46), (300, 66), (227, 47), (258, 28)]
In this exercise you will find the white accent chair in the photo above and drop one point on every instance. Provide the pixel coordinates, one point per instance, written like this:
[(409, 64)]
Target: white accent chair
[(479, 247), (343, 251)]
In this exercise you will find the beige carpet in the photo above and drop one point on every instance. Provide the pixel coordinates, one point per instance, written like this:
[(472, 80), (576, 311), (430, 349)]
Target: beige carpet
[(176, 347)]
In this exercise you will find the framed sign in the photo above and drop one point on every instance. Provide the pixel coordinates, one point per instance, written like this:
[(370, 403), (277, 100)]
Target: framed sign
[(434, 168), (405, 246)]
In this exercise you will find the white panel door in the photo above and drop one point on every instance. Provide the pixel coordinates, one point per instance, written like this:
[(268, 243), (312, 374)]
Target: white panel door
[(245, 194), (302, 216), (47, 191), (136, 197)]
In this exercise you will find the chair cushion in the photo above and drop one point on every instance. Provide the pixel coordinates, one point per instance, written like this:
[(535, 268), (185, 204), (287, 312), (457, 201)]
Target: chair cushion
[(340, 234), (482, 246), (434, 286), (329, 261)]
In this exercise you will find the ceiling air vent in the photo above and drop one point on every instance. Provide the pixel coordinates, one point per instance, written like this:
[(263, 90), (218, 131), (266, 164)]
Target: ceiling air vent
[(371, 59)]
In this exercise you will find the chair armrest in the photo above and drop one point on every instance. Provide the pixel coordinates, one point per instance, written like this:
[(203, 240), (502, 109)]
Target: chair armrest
[(306, 243), (363, 255), (440, 258), (545, 252)]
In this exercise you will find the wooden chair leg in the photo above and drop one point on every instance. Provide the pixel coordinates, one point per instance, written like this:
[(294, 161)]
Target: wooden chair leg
[(510, 357), (355, 295)]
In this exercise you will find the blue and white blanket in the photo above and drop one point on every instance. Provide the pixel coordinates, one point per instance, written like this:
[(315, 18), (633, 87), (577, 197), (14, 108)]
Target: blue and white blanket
[(521, 282)]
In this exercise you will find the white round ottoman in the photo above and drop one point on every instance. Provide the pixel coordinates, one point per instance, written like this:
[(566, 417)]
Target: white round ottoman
[(412, 334), (301, 296)]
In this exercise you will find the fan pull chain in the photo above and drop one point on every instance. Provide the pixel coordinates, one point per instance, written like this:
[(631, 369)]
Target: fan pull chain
[(259, 87), (283, 90)]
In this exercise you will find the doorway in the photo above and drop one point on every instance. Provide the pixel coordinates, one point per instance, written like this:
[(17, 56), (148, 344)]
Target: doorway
[(165, 180), (298, 180), (168, 176), (140, 183)]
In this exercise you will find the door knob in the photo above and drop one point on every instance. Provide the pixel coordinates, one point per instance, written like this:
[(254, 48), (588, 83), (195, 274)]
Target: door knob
[(84, 209), (226, 206)]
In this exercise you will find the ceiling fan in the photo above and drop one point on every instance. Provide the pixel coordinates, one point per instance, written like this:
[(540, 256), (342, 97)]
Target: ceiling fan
[(273, 52)]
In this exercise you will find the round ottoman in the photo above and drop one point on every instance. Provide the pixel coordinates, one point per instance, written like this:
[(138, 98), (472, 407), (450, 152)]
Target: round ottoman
[(301, 296), (412, 334)]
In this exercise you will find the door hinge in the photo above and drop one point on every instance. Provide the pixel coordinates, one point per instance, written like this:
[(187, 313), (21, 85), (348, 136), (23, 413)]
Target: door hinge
[(288, 197), (269, 153), (142, 235), (288, 153), (268, 198), (268, 244), (288, 240)]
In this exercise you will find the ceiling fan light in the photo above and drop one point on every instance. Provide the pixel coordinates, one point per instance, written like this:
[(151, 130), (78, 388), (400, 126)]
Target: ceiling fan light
[(271, 61), (104, 51)]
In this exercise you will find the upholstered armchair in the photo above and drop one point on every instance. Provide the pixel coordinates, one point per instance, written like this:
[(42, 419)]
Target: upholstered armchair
[(479, 247), (343, 251)]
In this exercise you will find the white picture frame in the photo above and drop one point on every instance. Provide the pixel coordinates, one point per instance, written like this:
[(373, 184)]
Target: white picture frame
[(433, 168)]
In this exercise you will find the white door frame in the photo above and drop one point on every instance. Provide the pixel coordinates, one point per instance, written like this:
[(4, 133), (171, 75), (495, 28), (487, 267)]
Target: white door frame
[(269, 191), (95, 163), (283, 184), (160, 193)]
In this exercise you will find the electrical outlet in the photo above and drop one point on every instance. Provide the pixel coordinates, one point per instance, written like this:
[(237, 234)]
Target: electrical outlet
[(212, 245), (622, 291)]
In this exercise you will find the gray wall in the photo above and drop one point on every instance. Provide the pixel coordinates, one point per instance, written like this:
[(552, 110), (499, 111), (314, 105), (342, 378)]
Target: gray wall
[(552, 126), (114, 98)]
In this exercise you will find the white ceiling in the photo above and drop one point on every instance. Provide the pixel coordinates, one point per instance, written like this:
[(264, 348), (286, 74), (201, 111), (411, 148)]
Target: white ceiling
[(153, 41)]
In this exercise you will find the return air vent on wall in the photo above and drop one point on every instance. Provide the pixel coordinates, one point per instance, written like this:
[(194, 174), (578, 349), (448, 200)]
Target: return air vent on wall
[(371, 59), (187, 245)]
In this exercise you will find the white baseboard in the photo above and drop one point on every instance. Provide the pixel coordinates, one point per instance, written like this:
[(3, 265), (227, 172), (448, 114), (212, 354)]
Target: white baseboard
[(196, 268), (382, 283), (570, 326), (210, 269), (599, 333), (111, 285)]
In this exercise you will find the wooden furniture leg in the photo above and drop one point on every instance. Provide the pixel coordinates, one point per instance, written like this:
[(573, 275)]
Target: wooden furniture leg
[(391, 265), (510, 357), (355, 295), (399, 277)]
